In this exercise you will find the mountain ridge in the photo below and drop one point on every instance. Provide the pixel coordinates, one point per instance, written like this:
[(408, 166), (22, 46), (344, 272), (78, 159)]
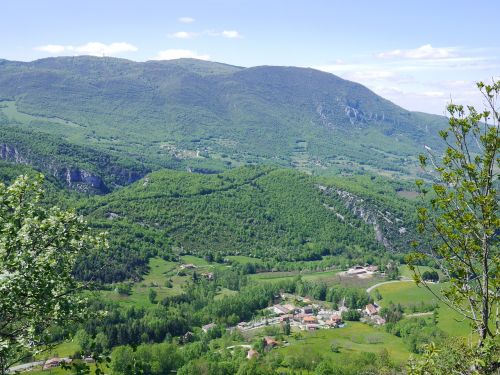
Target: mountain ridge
[(195, 114)]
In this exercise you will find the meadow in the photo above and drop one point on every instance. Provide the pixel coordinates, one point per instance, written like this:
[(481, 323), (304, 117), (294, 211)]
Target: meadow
[(407, 293), (354, 337)]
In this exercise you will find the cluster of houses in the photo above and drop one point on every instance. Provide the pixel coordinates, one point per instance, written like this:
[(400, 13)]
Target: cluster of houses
[(55, 362), (309, 317)]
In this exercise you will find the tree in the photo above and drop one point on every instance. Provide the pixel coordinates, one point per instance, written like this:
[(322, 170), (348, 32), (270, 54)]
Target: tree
[(152, 296), (84, 340), (463, 214), (351, 315), (124, 289), (38, 250), (392, 270), (286, 328), (430, 276)]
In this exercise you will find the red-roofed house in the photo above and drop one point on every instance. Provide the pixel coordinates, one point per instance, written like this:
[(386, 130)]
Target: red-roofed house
[(270, 342), (252, 353), (371, 309), (309, 320)]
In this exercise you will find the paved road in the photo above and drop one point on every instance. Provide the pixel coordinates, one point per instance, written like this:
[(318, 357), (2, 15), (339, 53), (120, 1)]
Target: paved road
[(387, 282), (24, 367)]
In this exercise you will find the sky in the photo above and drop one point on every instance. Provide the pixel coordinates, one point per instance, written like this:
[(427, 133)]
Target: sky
[(418, 54)]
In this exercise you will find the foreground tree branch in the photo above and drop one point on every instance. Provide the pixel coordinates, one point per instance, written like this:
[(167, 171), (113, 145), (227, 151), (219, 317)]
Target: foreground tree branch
[(39, 247), (463, 214)]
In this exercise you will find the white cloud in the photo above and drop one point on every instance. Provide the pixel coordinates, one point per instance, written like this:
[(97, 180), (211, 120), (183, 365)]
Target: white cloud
[(231, 34), (186, 20), (51, 48), (101, 49), (424, 52), (183, 35), (91, 48), (171, 54)]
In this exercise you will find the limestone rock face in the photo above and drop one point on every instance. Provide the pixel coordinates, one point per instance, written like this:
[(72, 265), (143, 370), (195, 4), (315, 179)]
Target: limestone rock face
[(73, 176)]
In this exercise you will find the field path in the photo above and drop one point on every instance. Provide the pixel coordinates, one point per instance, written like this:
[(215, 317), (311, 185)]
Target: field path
[(387, 282), (240, 346), (418, 314)]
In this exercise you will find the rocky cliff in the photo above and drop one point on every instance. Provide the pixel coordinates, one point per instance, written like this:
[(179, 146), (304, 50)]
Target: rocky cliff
[(74, 176), (390, 229)]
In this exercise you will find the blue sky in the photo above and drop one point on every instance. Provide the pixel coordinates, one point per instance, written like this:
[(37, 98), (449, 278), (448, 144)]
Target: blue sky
[(418, 54)]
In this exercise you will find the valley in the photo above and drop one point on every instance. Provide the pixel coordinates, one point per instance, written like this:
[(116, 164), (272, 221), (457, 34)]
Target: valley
[(260, 220)]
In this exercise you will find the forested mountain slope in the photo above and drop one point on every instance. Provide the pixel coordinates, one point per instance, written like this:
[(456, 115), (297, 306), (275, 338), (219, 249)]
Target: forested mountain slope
[(80, 168), (209, 116), (264, 212)]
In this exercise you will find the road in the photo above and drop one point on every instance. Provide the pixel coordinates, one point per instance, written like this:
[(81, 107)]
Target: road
[(24, 367)]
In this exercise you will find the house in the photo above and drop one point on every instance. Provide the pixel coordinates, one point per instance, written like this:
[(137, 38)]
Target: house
[(306, 310), (270, 342), (356, 270), (252, 353), (372, 269), (309, 320), (54, 362), (334, 321), (50, 363), (377, 319), (279, 310), (286, 318), (208, 327), (325, 314), (188, 266), (336, 317), (208, 275), (371, 309), (291, 308)]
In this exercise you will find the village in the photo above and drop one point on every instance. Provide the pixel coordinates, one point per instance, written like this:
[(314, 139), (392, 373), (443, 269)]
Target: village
[(306, 314), (299, 312), (309, 317)]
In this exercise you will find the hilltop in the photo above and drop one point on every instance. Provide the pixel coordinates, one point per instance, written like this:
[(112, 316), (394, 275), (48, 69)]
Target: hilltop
[(208, 116)]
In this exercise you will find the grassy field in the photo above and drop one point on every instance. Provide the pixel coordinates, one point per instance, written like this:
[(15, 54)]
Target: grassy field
[(407, 293), (225, 292), (354, 337), (332, 277), (9, 108), (60, 371), (198, 262), (65, 349), (406, 272), (160, 272)]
